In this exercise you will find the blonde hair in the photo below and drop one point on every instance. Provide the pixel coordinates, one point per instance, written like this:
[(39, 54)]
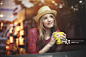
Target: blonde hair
[(42, 31)]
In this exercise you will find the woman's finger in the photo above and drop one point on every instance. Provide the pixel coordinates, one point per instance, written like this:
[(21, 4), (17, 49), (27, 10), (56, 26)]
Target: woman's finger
[(58, 36), (64, 34)]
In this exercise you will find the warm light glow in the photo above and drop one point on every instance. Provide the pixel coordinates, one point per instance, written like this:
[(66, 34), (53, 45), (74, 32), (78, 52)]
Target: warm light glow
[(17, 41), (1, 23), (11, 39), (80, 1), (7, 47), (22, 32), (7, 42), (17, 28), (55, 4), (53, 1), (21, 19), (21, 49), (1, 3), (11, 29), (16, 22), (1, 15), (60, 6), (21, 40), (71, 6), (15, 32), (74, 9), (21, 25)]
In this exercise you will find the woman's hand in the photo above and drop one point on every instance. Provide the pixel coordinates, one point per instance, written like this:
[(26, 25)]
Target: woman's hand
[(62, 37), (52, 40)]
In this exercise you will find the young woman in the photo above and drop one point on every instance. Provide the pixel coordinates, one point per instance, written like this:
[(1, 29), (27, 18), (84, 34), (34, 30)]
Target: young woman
[(41, 39)]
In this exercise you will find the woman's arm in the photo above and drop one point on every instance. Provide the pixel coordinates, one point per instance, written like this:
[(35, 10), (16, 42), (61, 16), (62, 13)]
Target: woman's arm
[(45, 49), (32, 42), (49, 45)]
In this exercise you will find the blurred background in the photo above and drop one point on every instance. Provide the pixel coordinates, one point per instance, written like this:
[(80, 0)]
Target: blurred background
[(17, 18)]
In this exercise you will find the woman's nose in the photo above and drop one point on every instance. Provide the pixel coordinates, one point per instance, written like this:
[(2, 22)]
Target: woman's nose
[(49, 19)]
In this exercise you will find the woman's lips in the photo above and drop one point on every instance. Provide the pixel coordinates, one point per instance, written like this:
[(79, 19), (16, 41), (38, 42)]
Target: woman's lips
[(49, 23)]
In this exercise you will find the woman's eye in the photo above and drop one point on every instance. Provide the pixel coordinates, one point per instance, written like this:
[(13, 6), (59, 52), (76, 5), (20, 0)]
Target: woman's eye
[(45, 18), (51, 16)]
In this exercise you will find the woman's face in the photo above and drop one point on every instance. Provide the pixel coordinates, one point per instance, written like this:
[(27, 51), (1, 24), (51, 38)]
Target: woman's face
[(48, 20)]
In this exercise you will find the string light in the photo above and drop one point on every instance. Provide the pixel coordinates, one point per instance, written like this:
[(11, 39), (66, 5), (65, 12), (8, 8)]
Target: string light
[(7, 47), (55, 4), (1, 3), (72, 7), (60, 6), (1, 15), (80, 1), (53, 1)]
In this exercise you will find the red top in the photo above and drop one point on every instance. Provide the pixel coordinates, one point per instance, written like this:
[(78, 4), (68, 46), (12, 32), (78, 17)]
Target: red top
[(33, 41)]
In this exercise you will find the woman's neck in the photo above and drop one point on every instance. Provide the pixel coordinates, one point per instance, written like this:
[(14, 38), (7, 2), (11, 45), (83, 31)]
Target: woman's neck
[(47, 34)]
